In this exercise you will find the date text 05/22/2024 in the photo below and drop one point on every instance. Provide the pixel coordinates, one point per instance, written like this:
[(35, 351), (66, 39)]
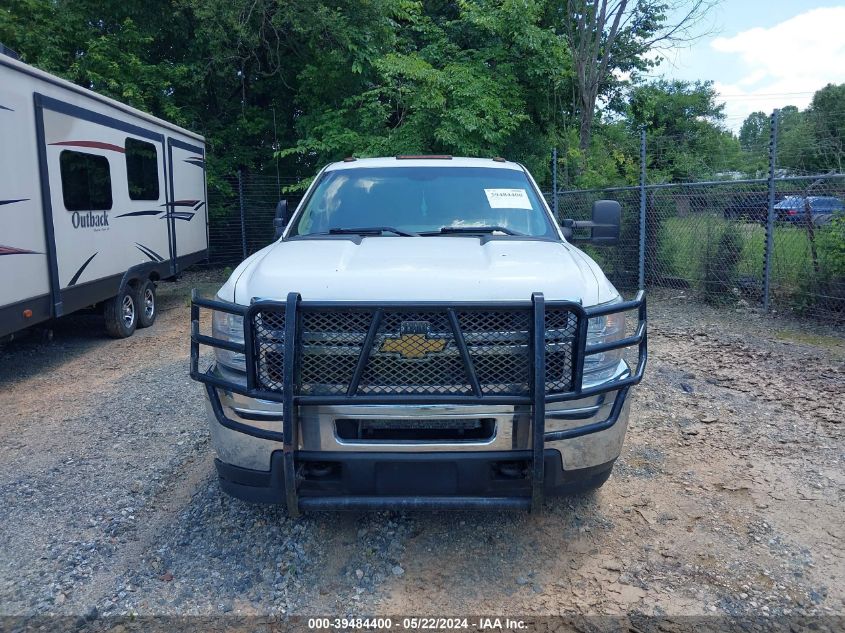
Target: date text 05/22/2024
[(418, 623)]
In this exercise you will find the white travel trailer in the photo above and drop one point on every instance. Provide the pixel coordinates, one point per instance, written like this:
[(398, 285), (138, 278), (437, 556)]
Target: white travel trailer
[(98, 202)]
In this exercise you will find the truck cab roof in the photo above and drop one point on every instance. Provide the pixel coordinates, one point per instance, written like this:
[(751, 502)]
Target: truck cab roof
[(423, 161)]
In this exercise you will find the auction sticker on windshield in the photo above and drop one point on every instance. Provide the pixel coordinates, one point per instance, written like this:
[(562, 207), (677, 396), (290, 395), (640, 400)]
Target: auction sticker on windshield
[(508, 199)]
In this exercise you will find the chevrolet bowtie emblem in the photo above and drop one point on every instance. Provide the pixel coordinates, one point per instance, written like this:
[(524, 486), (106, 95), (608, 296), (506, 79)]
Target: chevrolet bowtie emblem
[(413, 341)]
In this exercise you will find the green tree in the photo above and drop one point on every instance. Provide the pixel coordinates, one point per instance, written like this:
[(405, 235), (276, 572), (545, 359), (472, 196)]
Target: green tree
[(687, 140), (754, 139), (794, 140), (129, 50), (327, 79), (611, 37), (110, 47), (473, 78), (826, 116), (754, 133)]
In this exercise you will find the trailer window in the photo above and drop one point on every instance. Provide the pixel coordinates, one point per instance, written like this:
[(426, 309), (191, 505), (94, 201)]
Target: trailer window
[(141, 170), (86, 181)]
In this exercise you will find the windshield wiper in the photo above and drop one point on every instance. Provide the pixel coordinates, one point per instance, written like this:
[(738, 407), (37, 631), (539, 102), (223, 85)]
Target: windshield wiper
[(371, 230), (470, 230)]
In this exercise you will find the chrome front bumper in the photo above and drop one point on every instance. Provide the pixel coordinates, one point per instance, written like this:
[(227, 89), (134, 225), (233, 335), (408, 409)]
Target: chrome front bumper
[(318, 432)]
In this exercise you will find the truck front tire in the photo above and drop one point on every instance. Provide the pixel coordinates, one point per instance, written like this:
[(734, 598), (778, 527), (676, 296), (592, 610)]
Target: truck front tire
[(121, 314)]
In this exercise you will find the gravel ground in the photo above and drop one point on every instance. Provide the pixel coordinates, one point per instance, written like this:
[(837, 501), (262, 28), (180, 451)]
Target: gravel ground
[(728, 498)]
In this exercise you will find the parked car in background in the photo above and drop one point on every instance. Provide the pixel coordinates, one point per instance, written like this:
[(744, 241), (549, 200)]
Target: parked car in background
[(793, 209), (751, 206)]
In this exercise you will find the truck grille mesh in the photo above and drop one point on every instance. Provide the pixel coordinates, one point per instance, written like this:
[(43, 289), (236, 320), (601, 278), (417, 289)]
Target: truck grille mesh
[(269, 343), (415, 352)]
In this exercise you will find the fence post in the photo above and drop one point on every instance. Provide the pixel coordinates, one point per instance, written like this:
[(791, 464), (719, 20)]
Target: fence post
[(641, 267), (770, 217), (554, 183), (243, 213)]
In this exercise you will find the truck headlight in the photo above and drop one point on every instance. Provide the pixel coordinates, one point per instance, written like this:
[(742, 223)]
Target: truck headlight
[(604, 329), (229, 327)]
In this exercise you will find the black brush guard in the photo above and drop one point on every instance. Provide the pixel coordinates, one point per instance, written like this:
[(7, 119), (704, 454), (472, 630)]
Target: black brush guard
[(286, 386)]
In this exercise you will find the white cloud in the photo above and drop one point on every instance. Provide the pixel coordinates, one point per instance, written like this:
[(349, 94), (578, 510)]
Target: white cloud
[(783, 64)]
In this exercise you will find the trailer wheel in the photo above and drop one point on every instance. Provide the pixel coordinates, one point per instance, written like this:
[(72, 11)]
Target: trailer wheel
[(146, 301), (121, 314)]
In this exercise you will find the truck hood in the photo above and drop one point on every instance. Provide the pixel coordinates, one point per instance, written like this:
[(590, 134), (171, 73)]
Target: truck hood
[(448, 269)]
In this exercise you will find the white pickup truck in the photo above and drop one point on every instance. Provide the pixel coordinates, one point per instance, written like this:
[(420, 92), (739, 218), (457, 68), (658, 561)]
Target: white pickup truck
[(421, 334)]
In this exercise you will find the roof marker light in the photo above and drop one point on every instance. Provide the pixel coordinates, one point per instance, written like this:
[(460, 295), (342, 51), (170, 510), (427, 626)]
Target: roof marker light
[(424, 157)]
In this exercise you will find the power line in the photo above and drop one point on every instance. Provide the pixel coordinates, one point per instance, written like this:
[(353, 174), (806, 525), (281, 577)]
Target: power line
[(768, 94)]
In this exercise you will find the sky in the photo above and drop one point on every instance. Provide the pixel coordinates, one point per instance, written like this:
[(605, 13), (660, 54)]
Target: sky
[(764, 54)]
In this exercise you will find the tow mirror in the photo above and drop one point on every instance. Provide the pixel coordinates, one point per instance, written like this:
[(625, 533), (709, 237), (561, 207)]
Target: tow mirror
[(281, 219), (604, 227)]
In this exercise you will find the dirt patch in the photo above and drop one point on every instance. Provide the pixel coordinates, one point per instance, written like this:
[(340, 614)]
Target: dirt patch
[(727, 499)]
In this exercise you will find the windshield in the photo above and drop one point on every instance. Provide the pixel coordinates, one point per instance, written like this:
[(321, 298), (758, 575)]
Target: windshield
[(424, 200)]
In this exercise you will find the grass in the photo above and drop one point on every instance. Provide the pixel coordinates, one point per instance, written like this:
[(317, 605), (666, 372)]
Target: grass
[(819, 340), (685, 243)]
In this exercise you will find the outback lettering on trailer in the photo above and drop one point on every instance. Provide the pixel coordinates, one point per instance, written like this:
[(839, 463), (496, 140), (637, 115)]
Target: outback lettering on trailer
[(90, 219)]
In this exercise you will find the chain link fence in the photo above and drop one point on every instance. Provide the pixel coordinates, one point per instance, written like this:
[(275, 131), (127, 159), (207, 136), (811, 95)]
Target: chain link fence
[(241, 212), (711, 239), (765, 229), (775, 242)]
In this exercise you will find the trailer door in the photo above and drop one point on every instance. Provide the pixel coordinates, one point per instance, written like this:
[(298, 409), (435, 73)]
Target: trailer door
[(188, 211)]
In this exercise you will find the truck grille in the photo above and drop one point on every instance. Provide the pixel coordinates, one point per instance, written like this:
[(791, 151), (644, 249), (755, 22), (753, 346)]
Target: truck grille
[(417, 352)]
